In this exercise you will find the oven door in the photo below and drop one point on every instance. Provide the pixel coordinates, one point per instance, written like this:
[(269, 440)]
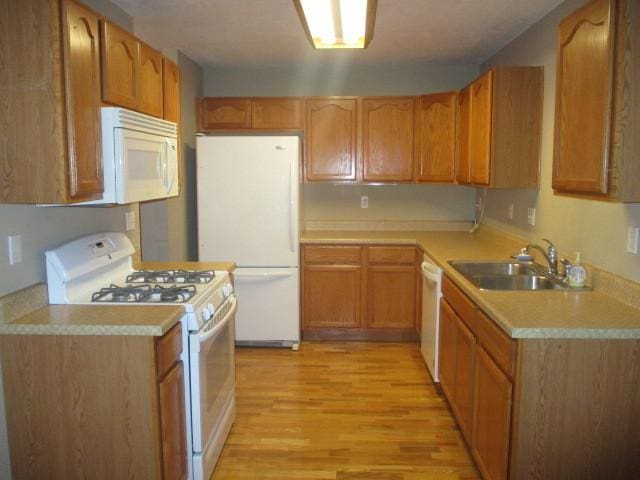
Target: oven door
[(146, 166), (212, 372)]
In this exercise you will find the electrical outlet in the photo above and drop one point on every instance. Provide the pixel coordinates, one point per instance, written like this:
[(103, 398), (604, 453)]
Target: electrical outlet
[(364, 202), (632, 239), (130, 220), (531, 216), (510, 212), (479, 203), (14, 244)]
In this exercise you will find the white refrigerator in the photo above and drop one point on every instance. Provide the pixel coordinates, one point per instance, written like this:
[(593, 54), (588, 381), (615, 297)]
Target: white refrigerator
[(248, 213)]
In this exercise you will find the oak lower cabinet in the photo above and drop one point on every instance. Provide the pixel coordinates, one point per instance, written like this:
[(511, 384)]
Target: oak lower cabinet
[(101, 407), (539, 408), (50, 116), (500, 128), (330, 139), (596, 144), (358, 292), (388, 139)]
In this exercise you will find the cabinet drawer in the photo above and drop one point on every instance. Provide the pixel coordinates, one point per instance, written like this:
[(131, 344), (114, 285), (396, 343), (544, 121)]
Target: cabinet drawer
[(333, 254), (168, 349), (392, 255), (497, 343), (464, 307)]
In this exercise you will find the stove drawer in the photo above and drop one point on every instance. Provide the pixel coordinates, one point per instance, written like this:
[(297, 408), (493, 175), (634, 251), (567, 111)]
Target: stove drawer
[(168, 349)]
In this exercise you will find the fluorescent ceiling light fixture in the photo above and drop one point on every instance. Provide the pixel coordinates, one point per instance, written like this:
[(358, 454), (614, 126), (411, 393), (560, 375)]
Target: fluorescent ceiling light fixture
[(338, 23)]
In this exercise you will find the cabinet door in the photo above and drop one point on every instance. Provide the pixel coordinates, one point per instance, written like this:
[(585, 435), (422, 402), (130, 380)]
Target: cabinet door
[(492, 418), (150, 81), (387, 145), (119, 66), (391, 296), (435, 138), (172, 424), (225, 113), (276, 113), (171, 89), (331, 296), (583, 99), (465, 358), (330, 139), (463, 137), (82, 101), (481, 111), (447, 349)]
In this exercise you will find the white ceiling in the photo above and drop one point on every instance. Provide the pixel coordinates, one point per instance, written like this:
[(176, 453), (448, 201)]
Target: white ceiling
[(248, 33)]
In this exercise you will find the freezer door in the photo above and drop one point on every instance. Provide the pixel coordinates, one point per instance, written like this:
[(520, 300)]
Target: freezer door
[(248, 200), (268, 305)]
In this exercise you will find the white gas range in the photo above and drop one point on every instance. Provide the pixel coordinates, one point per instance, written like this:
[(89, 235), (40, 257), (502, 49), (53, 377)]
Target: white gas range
[(98, 269)]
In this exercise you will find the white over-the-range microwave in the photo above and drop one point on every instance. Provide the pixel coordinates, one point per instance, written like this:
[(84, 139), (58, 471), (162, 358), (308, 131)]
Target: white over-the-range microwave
[(139, 156)]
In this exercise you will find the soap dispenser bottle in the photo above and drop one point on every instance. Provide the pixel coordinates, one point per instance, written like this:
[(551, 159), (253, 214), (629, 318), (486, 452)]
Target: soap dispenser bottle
[(577, 274)]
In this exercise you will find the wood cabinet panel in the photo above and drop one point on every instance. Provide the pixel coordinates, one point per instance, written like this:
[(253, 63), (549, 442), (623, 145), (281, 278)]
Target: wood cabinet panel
[(463, 137), (224, 113), (171, 89), (387, 133), (502, 348), (492, 418), (463, 306), (447, 355), (481, 129), (168, 349), (464, 380), (276, 113), (436, 138), (120, 61), (330, 139), (331, 254), (81, 49), (391, 255), (584, 79), (331, 296), (172, 424), (150, 96), (391, 296)]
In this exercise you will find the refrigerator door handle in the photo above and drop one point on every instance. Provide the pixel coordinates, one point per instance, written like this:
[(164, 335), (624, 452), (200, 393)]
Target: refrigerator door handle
[(238, 274), (291, 209)]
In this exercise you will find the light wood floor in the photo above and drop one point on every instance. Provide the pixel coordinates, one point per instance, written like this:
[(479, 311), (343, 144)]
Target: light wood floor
[(341, 411)]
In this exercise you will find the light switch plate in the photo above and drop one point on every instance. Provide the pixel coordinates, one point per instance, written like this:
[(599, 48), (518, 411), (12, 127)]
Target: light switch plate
[(632, 239), (130, 219), (364, 202), (531, 216), (510, 212), (14, 244)]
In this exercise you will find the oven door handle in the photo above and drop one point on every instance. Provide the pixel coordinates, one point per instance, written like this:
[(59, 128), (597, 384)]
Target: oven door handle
[(204, 336)]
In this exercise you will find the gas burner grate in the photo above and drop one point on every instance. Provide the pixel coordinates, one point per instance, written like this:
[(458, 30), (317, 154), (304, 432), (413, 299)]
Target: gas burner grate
[(171, 276), (115, 293), (172, 294)]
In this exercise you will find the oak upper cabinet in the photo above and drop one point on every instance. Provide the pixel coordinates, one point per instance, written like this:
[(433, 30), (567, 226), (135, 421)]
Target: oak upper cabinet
[(276, 113), (387, 139), (331, 287), (151, 98), (120, 66), (435, 138), (596, 144), (171, 89), (330, 139), (502, 144), (223, 113), (50, 119), (131, 71), (391, 287), (463, 137)]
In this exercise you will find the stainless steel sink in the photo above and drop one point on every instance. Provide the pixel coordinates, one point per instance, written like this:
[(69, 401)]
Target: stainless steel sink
[(507, 276)]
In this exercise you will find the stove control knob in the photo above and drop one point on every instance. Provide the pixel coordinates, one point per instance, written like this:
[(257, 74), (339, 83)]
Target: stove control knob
[(206, 314), (227, 290), (211, 309)]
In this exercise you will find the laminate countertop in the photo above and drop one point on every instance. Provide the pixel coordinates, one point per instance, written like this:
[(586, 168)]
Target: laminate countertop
[(130, 319), (521, 314)]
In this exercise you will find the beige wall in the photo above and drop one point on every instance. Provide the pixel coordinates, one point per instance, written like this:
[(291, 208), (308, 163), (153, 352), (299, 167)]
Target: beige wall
[(598, 229), (169, 227), (333, 202)]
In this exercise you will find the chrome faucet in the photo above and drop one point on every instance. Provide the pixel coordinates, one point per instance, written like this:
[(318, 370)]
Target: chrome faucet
[(551, 255)]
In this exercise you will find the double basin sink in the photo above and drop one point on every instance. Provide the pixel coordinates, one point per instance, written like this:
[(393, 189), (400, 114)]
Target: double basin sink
[(508, 275)]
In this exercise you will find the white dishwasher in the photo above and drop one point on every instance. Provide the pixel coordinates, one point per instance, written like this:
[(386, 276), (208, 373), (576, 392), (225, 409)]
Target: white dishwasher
[(431, 293)]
